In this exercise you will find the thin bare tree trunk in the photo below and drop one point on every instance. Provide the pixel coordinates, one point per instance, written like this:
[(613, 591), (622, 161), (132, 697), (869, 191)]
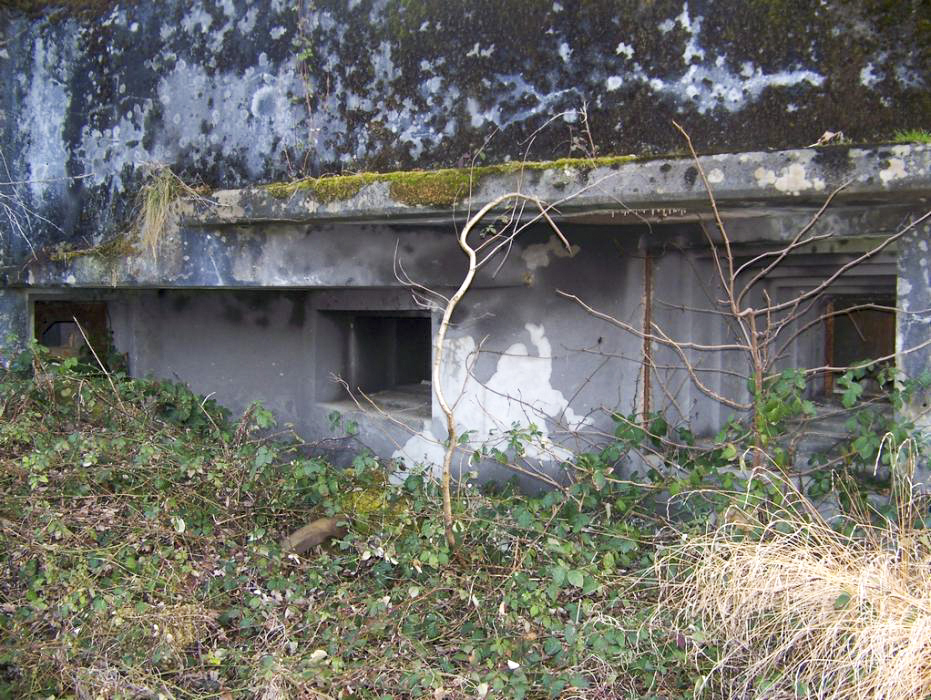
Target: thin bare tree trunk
[(440, 341)]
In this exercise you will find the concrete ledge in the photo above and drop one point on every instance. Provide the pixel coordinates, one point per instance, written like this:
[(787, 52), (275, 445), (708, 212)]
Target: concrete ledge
[(656, 188)]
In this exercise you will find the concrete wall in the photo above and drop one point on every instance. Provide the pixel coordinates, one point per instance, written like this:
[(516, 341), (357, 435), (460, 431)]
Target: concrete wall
[(233, 92), (914, 323), (518, 353), (250, 290)]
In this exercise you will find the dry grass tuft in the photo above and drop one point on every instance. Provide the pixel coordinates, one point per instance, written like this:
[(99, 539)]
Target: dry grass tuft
[(158, 200), (790, 607)]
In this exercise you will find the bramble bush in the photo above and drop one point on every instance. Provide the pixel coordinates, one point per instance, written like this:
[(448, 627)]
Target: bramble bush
[(139, 556)]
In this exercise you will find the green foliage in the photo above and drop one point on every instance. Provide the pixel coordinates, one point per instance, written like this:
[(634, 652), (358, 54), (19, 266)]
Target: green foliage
[(139, 556), (912, 136)]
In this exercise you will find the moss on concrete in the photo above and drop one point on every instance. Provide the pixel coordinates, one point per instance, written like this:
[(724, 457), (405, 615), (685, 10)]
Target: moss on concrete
[(117, 247), (430, 188)]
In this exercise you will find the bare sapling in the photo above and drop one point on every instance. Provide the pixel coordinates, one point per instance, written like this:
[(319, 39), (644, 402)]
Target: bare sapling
[(763, 328), (477, 256)]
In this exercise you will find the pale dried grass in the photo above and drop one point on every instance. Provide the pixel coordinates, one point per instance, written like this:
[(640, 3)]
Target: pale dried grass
[(158, 202), (790, 607)]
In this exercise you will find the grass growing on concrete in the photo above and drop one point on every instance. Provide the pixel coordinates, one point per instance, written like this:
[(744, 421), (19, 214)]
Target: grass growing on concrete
[(913, 136), (158, 199), (112, 249)]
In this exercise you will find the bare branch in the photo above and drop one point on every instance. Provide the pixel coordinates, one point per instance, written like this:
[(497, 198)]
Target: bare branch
[(844, 268), (440, 342)]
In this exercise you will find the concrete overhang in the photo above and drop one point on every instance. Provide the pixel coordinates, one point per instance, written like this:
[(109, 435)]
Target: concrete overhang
[(251, 238), (668, 188)]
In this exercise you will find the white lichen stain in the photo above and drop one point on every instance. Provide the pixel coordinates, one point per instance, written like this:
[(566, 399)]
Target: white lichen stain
[(539, 254), (229, 204), (716, 176), (868, 76), (257, 120), (565, 52), (625, 50), (519, 391), (693, 27), (613, 83), (895, 171), (791, 180), (713, 85), (196, 20), (47, 103)]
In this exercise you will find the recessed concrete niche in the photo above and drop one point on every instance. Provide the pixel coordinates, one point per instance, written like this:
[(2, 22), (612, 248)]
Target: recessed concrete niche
[(383, 356)]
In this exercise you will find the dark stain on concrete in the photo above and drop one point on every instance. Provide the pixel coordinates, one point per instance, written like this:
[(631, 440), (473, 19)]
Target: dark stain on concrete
[(690, 176)]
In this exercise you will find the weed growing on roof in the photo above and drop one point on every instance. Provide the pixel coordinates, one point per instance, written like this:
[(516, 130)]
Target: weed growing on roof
[(912, 136), (158, 200)]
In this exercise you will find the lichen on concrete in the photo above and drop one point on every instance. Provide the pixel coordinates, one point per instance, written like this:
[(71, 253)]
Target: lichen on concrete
[(235, 92)]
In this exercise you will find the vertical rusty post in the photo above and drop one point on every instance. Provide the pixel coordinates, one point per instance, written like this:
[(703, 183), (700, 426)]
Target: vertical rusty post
[(829, 349), (647, 330)]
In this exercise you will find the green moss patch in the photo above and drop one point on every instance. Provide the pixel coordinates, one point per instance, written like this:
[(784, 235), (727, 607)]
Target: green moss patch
[(430, 188)]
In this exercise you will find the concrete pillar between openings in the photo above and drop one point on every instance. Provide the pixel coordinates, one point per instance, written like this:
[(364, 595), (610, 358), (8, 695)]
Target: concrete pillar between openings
[(15, 328)]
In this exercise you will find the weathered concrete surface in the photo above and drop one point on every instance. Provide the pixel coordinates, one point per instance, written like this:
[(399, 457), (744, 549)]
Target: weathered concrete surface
[(914, 320), (250, 238), (240, 294), (520, 355), (646, 188), (233, 92), (15, 326)]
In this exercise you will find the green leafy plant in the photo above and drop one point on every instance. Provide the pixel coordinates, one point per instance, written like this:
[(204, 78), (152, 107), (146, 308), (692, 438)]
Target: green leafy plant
[(139, 555), (912, 136)]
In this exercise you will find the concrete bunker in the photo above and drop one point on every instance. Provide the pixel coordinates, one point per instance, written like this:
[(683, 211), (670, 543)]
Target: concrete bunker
[(69, 327), (260, 298)]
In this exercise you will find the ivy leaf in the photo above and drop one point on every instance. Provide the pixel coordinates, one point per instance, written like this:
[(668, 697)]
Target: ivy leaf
[(524, 517), (600, 481), (576, 578)]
